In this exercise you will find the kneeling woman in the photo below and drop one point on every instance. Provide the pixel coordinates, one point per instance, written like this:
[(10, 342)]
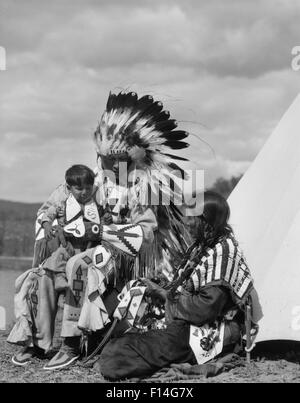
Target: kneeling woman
[(204, 316)]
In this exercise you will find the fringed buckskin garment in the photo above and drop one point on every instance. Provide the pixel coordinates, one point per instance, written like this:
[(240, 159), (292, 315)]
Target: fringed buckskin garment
[(96, 271), (36, 304), (214, 293)]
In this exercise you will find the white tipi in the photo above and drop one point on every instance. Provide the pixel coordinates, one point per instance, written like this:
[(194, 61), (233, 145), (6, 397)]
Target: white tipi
[(265, 216)]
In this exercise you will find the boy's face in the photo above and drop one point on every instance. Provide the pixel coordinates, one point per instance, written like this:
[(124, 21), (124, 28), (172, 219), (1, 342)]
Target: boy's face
[(82, 193)]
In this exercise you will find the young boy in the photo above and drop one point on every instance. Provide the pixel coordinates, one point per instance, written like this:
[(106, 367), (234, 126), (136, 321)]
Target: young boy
[(77, 197)]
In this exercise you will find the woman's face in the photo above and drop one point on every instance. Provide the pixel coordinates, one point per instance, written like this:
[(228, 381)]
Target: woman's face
[(194, 226)]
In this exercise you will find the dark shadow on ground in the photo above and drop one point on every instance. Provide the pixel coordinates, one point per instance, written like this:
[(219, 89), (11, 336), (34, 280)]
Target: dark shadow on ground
[(277, 350)]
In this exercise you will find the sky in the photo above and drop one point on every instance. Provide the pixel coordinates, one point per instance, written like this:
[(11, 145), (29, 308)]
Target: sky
[(222, 68)]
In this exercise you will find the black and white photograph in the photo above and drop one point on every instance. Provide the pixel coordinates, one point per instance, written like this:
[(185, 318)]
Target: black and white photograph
[(149, 194)]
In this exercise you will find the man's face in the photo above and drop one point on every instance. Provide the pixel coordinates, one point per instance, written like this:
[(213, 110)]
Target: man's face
[(82, 193), (118, 165)]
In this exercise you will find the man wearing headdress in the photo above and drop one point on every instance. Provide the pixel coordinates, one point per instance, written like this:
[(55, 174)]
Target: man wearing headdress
[(134, 143)]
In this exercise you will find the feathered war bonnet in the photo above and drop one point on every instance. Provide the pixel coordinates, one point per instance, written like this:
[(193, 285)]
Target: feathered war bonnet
[(140, 129)]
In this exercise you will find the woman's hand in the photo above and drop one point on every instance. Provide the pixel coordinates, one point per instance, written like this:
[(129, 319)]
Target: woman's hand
[(156, 292)]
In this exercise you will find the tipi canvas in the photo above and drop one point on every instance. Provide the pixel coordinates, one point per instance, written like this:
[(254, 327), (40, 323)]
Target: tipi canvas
[(265, 216)]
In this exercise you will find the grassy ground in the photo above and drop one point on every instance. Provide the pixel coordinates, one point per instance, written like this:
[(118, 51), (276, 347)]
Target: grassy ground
[(265, 367), (33, 372)]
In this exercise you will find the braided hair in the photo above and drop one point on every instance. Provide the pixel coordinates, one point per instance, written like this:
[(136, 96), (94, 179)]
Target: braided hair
[(213, 224)]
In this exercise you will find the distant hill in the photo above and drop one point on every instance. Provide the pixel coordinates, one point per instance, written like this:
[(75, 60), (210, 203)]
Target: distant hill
[(17, 228)]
